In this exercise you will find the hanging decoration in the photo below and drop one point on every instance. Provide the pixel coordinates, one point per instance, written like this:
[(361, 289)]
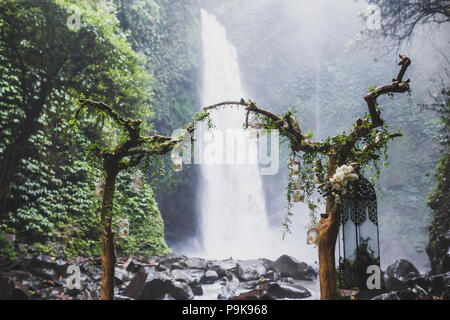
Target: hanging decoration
[(124, 228), (358, 241), (312, 236), (138, 180)]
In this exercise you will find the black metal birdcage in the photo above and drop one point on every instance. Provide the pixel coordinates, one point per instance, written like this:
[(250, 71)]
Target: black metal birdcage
[(358, 242)]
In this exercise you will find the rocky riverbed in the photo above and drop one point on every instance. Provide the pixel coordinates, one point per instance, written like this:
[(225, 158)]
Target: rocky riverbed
[(36, 276)]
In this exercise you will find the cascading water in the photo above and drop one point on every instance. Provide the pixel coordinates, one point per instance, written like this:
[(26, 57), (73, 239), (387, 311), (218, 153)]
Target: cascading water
[(234, 220)]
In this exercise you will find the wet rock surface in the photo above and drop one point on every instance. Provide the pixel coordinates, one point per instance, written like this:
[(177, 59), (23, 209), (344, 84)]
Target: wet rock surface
[(41, 277), (402, 281)]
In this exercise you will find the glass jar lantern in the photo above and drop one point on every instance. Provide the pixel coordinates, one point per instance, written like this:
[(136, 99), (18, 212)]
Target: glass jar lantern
[(311, 236), (124, 228), (177, 163)]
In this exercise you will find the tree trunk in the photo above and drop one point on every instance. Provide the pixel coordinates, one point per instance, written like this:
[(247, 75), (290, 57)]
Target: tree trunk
[(108, 250), (328, 233), (15, 152)]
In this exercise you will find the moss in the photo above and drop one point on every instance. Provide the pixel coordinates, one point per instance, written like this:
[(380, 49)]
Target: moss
[(440, 203)]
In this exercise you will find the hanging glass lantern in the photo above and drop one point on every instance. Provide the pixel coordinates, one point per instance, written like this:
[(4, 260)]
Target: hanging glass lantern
[(137, 180), (311, 236), (297, 197), (124, 228), (253, 122), (358, 242), (177, 163), (254, 133)]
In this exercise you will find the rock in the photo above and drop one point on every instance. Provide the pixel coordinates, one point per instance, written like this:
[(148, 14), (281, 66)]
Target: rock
[(223, 268), (179, 265), (195, 274), (438, 285), (272, 275), (415, 293), (250, 284), (121, 275), (119, 297), (250, 270), (255, 294), (182, 275), (46, 262), (210, 277), (288, 266), (46, 273), (181, 291), (158, 284), (6, 287), (387, 296), (196, 288), (196, 263), (398, 273), (162, 267), (281, 291)]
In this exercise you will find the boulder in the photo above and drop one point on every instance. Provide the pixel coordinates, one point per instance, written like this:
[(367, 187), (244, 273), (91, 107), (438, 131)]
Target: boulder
[(291, 291), (182, 275), (196, 263), (196, 288), (250, 270), (398, 273), (121, 275), (134, 289), (288, 266), (414, 293), (158, 284), (223, 268), (210, 277), (387, 296)]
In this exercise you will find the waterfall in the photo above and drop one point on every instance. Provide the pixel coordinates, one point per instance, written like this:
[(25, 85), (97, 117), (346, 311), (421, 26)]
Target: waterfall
[(234, 221), (233, 214)]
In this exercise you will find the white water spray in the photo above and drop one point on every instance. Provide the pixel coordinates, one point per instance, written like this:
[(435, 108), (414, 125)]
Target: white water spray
[(234, 220)]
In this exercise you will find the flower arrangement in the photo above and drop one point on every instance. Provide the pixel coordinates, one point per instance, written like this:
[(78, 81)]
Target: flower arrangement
[(339, 181)]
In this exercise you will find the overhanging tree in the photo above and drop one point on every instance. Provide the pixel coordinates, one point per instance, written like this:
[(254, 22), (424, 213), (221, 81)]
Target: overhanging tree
[(400, 18), (319, 161), (45, 65), (132, 150)]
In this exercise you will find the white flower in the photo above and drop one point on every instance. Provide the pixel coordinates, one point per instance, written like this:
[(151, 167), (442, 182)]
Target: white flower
[(339, 176), (337, 186), (378, 137)]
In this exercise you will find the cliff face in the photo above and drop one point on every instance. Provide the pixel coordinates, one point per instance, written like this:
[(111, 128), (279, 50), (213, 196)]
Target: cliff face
[(438, 247), (167, 34)]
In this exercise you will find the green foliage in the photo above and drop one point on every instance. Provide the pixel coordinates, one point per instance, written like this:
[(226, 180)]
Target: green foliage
[(44, 67), (8, 253), (352, 274)]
